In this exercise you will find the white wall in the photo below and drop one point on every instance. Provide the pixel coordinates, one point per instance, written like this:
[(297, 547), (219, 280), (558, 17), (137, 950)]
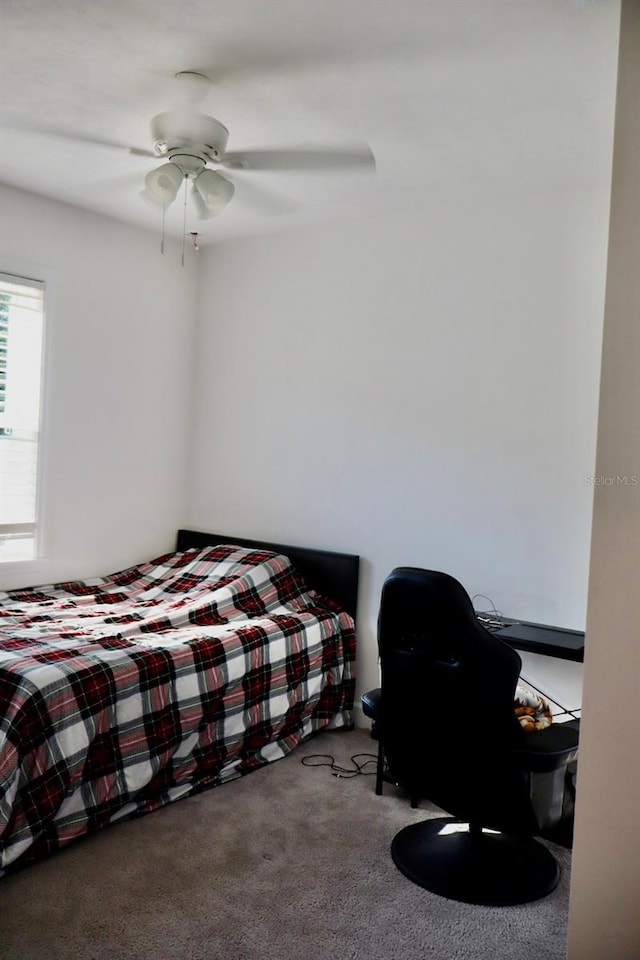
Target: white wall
[(418, 389), (120, 326)]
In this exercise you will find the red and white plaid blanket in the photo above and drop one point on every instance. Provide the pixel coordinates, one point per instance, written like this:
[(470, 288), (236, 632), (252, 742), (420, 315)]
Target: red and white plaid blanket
[(121, 694)]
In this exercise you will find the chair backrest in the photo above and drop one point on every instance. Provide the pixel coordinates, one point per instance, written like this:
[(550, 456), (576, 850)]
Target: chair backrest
[(449, 730)]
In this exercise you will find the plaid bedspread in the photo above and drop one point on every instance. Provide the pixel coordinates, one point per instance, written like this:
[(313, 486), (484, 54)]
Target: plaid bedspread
[(121, 694)]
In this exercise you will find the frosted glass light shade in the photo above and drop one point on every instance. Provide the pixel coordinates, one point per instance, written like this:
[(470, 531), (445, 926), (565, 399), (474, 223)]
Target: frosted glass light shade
[(202, 210), (162, 184), (215, 191)]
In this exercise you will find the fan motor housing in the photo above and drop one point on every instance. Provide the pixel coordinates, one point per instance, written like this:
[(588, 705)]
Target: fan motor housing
[(196, 134)]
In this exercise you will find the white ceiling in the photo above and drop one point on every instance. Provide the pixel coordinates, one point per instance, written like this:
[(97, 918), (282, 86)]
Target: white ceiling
[(452, 95)]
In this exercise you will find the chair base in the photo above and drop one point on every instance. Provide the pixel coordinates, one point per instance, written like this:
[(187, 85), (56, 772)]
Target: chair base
[(492, 869)]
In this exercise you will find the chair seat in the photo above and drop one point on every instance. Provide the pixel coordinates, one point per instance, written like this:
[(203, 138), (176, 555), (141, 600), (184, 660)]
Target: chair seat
[(371, 703)]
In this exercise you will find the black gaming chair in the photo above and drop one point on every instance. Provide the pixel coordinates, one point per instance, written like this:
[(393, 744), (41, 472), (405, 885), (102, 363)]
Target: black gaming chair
[(449, 733)]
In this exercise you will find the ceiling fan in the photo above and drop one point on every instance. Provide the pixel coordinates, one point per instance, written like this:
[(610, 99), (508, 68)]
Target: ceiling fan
[(191, 143)]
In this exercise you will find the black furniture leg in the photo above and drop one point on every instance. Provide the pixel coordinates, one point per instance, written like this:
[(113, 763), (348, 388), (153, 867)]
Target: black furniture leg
[(380, 769)]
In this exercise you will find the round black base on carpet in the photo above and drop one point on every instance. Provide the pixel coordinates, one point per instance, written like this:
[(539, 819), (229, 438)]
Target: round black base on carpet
[(488, 868)]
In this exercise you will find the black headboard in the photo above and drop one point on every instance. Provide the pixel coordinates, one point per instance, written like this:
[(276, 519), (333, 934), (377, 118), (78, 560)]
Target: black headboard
[(333, 574)]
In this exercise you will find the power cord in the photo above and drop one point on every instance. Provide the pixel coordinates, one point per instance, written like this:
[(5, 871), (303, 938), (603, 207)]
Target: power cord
[(492, 618), (326, 760)]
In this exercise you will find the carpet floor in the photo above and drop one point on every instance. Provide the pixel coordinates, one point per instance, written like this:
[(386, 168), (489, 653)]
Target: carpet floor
[(288, 863)]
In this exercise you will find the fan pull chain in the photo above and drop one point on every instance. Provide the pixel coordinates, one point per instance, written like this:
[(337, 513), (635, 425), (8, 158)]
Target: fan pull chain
[(184, 221), (164, 210)]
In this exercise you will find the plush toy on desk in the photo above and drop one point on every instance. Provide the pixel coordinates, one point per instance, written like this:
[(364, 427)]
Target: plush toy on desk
[(532, 711)]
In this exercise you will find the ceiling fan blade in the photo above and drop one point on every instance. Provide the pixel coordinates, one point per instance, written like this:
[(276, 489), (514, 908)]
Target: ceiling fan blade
[(137, 152), (360, 157), (59, 133)]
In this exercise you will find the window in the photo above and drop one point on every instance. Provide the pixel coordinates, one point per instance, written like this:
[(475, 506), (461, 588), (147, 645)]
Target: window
[(21, 329)]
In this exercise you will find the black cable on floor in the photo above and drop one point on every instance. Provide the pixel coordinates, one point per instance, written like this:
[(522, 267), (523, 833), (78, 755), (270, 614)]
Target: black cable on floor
[(326, 760)]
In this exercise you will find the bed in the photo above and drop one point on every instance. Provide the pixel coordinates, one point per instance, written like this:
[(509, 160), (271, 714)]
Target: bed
[(124, 693)]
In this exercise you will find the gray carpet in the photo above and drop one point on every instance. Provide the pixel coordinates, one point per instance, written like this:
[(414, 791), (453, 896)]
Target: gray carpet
[(289, 863)]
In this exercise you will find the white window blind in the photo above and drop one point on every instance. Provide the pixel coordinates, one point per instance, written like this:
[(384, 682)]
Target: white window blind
[(21, 330)]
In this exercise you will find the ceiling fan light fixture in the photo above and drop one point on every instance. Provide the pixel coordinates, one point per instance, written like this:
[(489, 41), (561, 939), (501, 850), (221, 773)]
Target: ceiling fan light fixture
[(202, 210), (214, 191), (162, 184)]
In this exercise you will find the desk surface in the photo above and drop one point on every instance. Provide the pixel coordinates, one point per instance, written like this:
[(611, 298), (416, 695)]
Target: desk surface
[(543, 639)]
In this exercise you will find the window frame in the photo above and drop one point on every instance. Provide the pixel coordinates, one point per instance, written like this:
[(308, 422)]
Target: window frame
[(41, 277)]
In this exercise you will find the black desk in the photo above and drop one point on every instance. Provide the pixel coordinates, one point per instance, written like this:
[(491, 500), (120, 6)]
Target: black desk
[(539, 638), (542, 639)]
